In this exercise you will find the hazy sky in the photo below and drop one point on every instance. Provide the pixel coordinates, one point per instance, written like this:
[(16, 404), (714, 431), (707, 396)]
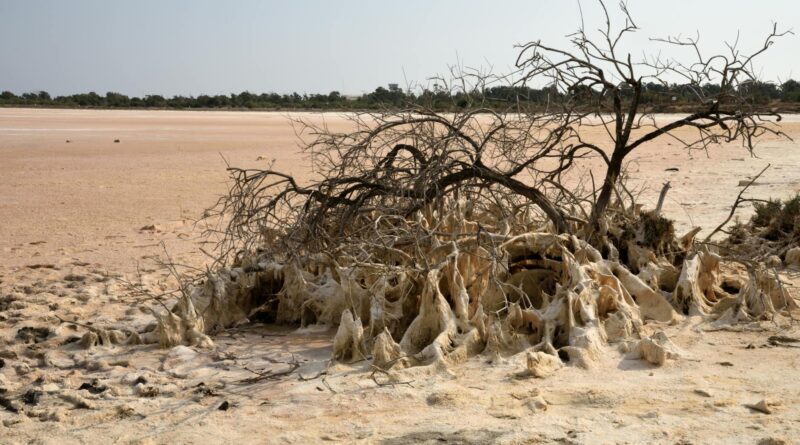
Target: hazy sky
[(193, 47)]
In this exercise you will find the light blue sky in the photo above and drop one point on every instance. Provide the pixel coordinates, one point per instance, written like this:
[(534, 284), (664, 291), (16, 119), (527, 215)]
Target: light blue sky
[(193, 47)]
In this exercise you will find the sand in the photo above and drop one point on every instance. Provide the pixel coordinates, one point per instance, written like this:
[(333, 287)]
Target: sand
[(71, 229)]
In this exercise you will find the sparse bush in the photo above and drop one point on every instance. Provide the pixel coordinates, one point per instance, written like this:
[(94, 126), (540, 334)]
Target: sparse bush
[(766, 212), (778, 219)]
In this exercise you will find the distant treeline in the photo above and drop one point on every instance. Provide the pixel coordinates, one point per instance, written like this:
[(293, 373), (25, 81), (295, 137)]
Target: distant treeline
[(658, 95)]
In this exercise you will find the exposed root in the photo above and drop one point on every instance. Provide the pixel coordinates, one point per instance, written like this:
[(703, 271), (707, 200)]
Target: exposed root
[(348, 344), (430, 239), (183, 325), (793, 257), (496, 294), (386, 351), (656, 349), (543, 365), (695, 293)]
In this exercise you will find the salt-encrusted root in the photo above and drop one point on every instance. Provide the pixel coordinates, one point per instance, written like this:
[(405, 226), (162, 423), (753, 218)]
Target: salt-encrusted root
[(497, 293), (542, 365), (656, 349), (348, 344)]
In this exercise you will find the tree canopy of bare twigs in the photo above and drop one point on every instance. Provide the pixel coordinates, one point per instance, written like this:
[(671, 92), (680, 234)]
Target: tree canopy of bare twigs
[(598, 80), (395, 162)]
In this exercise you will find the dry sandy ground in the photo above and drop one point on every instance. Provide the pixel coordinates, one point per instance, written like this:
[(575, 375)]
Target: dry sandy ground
[(71, 219)]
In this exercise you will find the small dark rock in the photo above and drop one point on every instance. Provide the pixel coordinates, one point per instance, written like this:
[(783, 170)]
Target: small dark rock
[(148, 390), (9, 354), (772, 441), (141, 380), (224, 406), (29, 334), (93, 387), (780, 340), (9, 405), (2, 363), (71, 339), (116, 141), (32, 397), (204, 390), (5, 302), (672, 169)]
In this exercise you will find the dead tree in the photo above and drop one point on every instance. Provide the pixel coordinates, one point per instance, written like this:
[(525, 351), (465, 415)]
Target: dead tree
[(431, 237), (596, 78), (394, 165), (397, 162)]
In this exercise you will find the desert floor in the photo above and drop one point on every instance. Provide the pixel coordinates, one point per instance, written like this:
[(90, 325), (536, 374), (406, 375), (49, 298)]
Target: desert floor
[(80, 214)]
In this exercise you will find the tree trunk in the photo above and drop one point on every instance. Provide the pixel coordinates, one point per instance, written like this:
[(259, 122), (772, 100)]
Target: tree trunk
[(612, 175)]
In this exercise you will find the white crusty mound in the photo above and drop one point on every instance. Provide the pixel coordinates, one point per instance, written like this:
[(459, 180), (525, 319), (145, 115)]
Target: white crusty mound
[(497, 293)]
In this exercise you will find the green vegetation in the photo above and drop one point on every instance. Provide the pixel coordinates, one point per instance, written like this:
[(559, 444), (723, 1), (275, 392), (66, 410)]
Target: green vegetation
[(658, 97), (778, 219)]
